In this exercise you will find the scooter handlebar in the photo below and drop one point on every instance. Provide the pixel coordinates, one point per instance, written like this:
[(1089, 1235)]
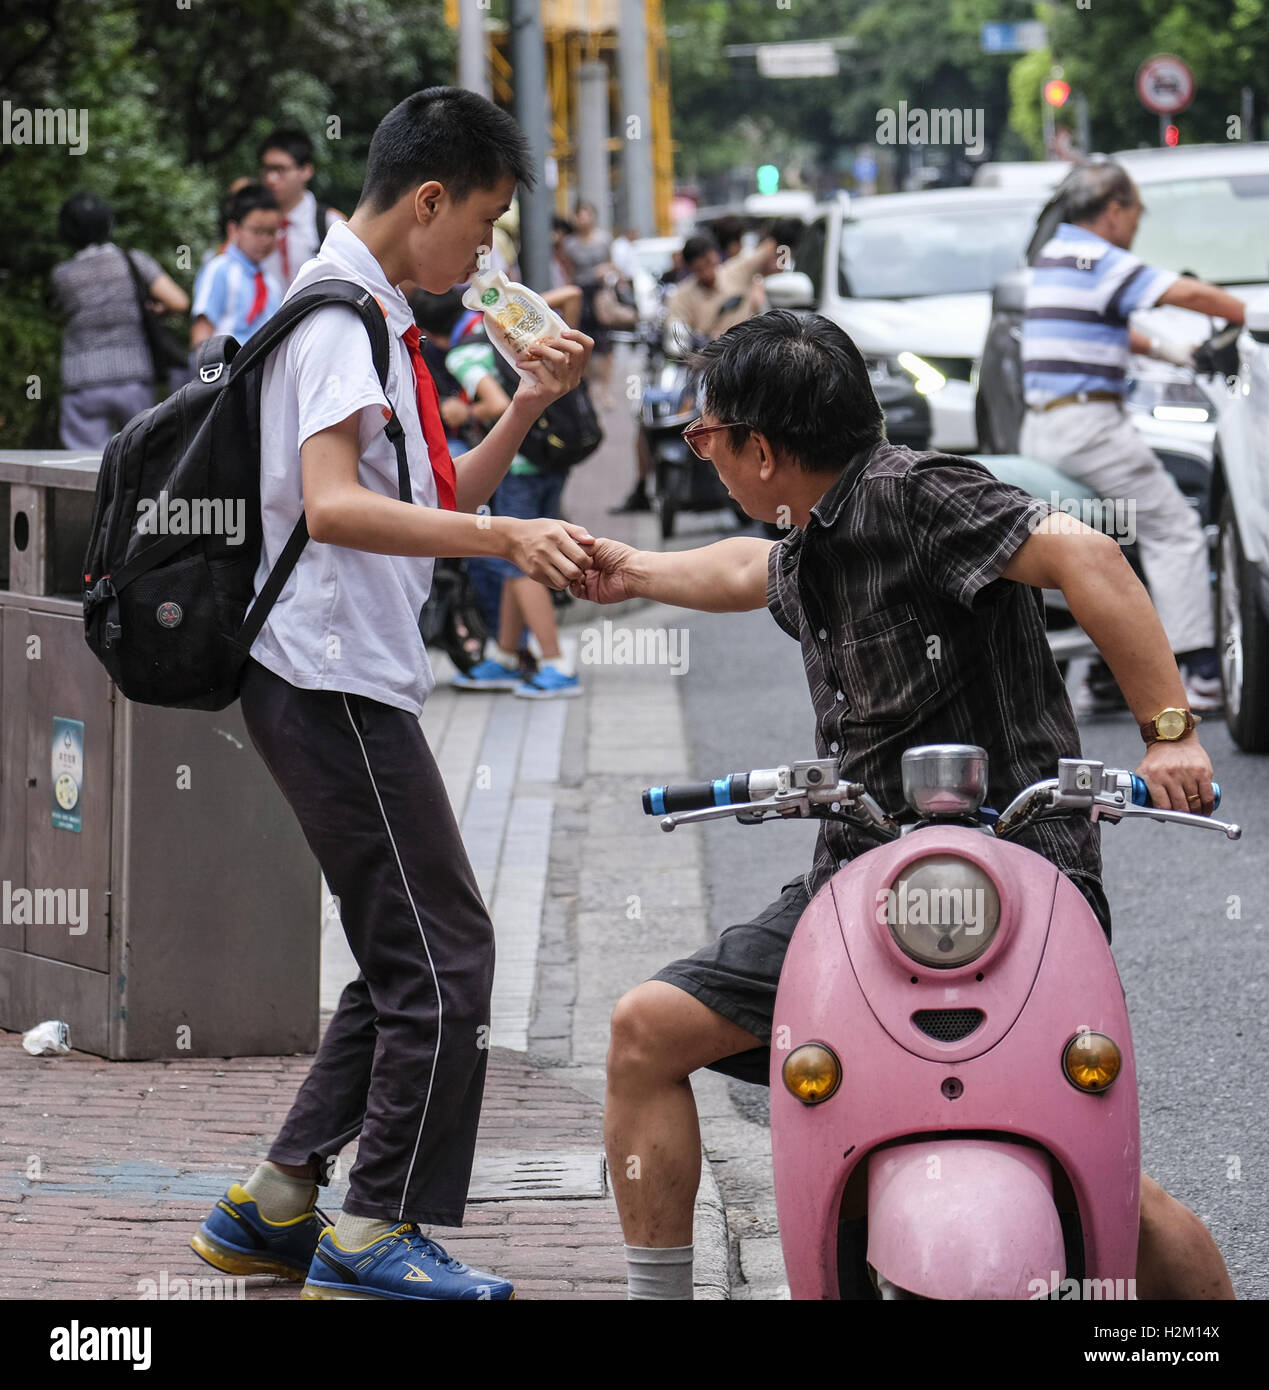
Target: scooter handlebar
[(696, 796), (1141, 794)]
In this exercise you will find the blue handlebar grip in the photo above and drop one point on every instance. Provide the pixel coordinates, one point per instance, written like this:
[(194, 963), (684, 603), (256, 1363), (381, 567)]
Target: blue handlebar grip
[(1141, 797)]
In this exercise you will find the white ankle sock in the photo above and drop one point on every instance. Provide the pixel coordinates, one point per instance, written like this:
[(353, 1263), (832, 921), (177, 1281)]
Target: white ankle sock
[(355, 1232), (659, 1272), (280, 1197), (505, 658)]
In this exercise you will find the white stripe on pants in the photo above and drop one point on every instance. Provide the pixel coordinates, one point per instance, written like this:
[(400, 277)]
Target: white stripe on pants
[(1096, 444)]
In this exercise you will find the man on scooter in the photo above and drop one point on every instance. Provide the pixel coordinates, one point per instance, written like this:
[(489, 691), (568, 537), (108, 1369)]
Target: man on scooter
[(888, 549), (1076, 350)]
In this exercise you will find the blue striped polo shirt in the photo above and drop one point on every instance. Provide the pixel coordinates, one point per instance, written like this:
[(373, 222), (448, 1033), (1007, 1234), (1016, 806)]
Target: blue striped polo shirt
[(1075, 335), (225, 290)]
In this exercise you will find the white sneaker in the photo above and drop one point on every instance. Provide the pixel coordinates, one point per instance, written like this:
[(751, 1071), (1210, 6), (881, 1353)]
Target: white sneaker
[(1204, 694)]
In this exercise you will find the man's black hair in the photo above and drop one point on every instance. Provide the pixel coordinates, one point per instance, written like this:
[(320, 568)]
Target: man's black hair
[(697, 246), (799, 380), (85, 219), (563, 224), (728, 230), (1092, 188), (291, 142), (437, 313), (449, 134), (248, 199)]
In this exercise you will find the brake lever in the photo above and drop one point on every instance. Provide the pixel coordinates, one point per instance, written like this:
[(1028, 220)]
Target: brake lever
[(1113, 809)]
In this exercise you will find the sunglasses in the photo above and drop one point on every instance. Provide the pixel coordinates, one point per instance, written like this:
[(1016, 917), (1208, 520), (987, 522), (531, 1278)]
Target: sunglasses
[(696, 430)]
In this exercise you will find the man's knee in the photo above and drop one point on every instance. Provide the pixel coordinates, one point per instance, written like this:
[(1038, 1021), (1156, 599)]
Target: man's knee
[(637, 1047), (661, 1034)]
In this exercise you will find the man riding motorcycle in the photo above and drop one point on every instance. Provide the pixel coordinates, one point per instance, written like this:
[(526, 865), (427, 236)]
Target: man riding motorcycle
[(894, 581)]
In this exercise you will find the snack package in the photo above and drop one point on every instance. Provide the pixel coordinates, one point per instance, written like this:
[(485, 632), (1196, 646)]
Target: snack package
[(515, 316)]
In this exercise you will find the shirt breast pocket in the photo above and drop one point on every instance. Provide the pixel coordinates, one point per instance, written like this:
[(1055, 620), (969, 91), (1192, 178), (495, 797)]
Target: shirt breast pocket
[(886, 667)]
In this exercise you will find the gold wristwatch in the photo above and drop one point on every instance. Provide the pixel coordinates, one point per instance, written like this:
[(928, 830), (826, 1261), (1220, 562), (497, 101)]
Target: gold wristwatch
[(1169, 725)]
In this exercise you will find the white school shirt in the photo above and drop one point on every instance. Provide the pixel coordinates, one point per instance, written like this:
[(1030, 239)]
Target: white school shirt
[(345, 619), (303, 240)]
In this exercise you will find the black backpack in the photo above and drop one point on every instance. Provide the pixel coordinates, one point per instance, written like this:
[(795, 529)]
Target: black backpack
[(167, 584), (566, 432)]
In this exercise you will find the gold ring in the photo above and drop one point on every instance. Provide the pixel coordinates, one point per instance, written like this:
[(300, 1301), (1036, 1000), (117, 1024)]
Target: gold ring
[(1195, 797)]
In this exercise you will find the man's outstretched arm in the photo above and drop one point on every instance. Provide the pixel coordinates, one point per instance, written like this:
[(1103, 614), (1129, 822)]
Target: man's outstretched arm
[(727, 577)]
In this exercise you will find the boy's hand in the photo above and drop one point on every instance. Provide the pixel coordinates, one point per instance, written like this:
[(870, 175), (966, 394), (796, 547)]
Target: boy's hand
[(551, 552), (608, 578), (557, 365)]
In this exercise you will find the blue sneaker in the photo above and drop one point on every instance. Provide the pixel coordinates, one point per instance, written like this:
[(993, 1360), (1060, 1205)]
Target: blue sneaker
[(548, 684), (236, 1238), (488, 675), (404, 1264)]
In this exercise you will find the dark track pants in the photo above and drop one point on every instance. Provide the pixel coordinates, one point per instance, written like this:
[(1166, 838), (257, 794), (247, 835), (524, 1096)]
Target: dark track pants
[(403, 1061)]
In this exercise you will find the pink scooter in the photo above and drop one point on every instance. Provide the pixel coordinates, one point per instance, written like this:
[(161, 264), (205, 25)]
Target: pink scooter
[(953, 1094)]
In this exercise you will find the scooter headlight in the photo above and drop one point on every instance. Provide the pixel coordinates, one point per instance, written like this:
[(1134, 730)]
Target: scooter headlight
[(941, 911), (812, 1073)]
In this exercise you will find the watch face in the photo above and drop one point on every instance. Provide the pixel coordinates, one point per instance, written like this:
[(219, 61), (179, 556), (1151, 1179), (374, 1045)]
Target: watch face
[(1170, 724)]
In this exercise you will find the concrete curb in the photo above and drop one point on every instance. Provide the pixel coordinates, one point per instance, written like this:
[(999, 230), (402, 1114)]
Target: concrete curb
[(711, 1256)]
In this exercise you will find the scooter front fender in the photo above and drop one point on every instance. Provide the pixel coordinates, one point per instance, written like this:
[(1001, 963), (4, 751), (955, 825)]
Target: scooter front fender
[(964, 1219)]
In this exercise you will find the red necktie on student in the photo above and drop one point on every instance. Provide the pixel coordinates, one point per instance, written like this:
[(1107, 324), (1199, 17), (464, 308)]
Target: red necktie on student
[(258, 303), (286, 260), (433, 426)]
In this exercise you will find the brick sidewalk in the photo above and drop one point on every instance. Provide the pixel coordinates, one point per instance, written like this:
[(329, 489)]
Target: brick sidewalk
[(130, 1157)]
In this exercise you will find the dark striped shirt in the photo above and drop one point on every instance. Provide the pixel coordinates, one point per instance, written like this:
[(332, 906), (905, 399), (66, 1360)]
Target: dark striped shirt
[(910, 636)]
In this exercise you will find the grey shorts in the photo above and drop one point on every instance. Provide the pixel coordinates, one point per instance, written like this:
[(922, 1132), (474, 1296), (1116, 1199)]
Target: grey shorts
[(737, 976)]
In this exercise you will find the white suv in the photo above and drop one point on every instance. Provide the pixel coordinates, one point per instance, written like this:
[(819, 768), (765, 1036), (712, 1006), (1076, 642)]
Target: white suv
[(909, 276)]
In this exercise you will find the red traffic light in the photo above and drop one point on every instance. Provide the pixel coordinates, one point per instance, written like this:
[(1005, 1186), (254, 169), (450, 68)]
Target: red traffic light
[(1171, 135), (1057, 92)]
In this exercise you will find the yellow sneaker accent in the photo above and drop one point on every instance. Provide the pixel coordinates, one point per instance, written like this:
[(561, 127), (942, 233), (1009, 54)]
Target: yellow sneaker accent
[(416, 1275), (239, 1195), (235, 1262)]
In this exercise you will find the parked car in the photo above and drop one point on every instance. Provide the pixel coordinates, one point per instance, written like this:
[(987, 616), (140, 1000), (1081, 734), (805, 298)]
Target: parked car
[(1241, 489), (909, 277)]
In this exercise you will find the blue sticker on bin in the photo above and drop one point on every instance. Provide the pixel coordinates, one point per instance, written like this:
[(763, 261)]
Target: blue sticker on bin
[(67, 774)]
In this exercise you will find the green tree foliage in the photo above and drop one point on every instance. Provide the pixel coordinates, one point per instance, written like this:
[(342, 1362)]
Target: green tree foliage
[(177, 96), (928, 55)]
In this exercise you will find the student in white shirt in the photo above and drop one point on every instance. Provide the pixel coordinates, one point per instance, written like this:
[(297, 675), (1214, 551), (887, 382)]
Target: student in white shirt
[(332, 697), (286, 168)]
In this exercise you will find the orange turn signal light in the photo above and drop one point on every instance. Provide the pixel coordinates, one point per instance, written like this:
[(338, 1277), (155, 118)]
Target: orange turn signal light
[(812, 1073), (1091, 1061)]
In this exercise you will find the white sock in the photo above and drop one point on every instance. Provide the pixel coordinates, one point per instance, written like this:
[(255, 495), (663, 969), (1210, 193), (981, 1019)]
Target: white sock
[(506, 658), (659, 1272), (356, 1232), (280, 1197)]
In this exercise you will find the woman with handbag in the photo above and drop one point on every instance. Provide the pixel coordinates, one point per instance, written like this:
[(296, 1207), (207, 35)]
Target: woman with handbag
[(112, 349)]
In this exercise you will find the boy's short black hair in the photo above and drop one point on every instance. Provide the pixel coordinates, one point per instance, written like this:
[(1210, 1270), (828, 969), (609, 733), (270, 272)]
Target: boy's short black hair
[(449, 134), (796, 378), (437, 313), (292, 142), (85, 219), (697, 246), (248, 199)]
